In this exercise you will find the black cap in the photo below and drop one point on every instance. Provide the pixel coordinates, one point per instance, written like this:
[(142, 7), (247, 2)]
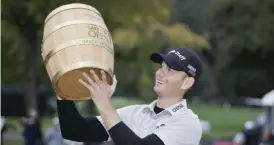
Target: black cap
[(180, 59)]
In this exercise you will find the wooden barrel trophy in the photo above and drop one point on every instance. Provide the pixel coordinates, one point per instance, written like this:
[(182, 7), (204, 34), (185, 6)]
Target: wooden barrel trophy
[(76, 40)]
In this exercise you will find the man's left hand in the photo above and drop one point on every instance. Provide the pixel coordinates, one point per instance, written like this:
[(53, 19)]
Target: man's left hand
[(101, 93), (100, 90)]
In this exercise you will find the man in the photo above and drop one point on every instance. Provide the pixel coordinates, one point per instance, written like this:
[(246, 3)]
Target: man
[(166, 121), (5, 126), (32, 132), (53, 135)]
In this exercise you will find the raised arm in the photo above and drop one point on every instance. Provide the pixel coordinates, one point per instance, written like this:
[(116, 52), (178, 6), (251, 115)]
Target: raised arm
[(77, 128)]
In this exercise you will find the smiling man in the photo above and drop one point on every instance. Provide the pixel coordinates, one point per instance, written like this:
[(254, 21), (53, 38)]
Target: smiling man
[(166, 121)]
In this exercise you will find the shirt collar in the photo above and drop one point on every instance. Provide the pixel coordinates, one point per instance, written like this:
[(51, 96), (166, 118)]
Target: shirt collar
[(174, 109)]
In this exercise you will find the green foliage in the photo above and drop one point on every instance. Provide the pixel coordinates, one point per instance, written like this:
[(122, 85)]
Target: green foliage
[(248, 24), (179, 35), (12, 53), (243, 32)]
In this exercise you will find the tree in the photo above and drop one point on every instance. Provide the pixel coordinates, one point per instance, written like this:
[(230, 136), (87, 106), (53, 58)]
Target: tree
[(243, 30)]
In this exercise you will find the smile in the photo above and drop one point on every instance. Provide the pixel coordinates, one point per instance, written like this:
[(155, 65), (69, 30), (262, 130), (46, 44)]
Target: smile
[(159, 82)]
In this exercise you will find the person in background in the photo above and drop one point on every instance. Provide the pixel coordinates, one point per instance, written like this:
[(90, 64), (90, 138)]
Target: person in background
[(5, 126), (32, 129), (53, 135)]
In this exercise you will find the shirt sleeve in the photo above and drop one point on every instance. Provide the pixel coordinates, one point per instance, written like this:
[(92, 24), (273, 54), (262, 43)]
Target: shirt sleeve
[(181, 132), (74, 127), (121, 134)]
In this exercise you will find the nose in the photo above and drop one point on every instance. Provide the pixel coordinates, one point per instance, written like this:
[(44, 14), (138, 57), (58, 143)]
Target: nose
[(160, 72)]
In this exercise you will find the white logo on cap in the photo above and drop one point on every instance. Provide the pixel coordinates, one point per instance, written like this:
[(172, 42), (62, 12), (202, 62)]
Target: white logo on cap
[(172, 51), (192, 70), (178, 54)]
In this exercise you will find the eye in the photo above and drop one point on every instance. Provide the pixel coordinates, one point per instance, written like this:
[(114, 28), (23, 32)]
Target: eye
[(168, 69), (161, 66)]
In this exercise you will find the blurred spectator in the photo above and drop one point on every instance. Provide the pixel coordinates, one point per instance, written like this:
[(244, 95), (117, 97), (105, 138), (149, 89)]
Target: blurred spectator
[(53, 135), (4, 127), (69, 142), (32, 129)]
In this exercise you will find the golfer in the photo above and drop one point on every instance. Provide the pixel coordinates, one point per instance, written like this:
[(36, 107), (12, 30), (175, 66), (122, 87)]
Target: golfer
[(166, 121)]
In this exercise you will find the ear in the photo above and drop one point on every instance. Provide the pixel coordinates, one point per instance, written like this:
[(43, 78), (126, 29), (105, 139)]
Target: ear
[(188, 83)]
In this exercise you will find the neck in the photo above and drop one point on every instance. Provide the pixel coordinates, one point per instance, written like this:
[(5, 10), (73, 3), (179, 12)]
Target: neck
[(165, 102)]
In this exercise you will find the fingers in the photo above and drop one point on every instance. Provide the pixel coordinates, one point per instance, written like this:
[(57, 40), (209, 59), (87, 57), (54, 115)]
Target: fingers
[(96, 86), (104, 78), (84, 83), (92, 84), (90, 81), (90, 87), (96, 78), (96, 82), (113, 86), (114, 80)]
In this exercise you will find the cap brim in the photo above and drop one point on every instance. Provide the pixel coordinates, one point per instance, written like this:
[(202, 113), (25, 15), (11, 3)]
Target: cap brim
[(157, 57)]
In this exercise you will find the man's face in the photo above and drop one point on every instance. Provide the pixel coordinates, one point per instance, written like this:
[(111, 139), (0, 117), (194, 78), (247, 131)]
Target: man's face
[(169, 82)]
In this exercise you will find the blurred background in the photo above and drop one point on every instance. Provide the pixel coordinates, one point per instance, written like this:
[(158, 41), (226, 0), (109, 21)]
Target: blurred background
[(234, 38)]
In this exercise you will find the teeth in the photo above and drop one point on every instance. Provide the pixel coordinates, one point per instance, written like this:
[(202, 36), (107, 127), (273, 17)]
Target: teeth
[(160, 82)]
